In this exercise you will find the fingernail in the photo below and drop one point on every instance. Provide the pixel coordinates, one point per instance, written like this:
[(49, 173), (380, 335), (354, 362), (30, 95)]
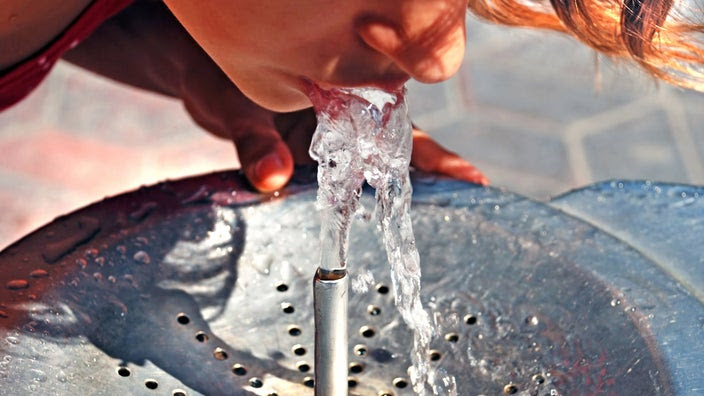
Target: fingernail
[(268, 165)]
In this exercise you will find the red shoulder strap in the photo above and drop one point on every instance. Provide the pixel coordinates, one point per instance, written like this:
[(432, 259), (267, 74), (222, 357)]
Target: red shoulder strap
[(24, 77)]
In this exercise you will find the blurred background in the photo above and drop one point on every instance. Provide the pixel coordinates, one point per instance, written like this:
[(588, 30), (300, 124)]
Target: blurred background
[(537, 112)]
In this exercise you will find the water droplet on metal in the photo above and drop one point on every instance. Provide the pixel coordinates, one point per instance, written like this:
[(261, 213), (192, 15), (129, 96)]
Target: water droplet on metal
[(81, 262), (142, 257), (85, 228), (17, 284), (143, 211), (199, 195), (39, 273), (130, 278), (38, 375), (615, 302), (224, 198), (12, 340)]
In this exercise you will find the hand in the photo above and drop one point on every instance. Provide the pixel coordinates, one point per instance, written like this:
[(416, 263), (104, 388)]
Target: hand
[(429, 156), (296, 129), (146, 47)]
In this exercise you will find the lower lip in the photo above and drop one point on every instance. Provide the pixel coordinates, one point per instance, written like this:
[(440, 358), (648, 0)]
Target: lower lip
[(390, 85)]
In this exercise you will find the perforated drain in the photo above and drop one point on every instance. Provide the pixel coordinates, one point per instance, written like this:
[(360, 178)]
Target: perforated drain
[(164, 291)]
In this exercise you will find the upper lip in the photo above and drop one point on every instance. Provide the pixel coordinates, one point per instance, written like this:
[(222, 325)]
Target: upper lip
[(391, 83), (388, 82)]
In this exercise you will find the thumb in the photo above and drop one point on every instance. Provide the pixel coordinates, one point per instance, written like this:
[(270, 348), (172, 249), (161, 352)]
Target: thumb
[(266, 160)]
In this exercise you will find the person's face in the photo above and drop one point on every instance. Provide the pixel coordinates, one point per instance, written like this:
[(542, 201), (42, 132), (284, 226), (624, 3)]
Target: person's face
[(272, 49)]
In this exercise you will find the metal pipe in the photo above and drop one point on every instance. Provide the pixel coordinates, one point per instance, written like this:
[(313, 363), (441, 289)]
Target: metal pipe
[(330, 304)]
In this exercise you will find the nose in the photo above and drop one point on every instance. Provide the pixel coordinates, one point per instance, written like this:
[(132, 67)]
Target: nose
[(428, 46)]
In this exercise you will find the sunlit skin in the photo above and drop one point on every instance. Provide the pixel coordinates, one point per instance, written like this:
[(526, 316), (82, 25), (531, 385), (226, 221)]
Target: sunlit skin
[(271, 50)]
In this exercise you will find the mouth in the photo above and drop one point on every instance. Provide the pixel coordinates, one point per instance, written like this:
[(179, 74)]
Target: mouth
[(389, 83)]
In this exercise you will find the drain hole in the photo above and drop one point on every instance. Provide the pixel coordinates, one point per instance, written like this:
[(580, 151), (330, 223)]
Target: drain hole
[(452, 337), (219, 354), (183, 319), (382, 289), (366, 332), (287, 308), (360, 350), (201, 336), (151, 384), (510, 389), (400, 383), (256, 382), (294, 331), (434, 355), (373, 310), (356, 368), (282, 287), (352, 382), (386, 393), (299, 350), (303, 367), (239, 369), (123, 372), (309, 382), (178, 392), (470, 320), (538, 379)]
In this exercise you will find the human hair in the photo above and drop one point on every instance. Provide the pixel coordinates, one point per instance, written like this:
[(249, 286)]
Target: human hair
[(663, 36)]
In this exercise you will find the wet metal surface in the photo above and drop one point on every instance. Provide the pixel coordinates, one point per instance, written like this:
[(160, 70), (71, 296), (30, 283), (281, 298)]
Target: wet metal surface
[(200, 287)]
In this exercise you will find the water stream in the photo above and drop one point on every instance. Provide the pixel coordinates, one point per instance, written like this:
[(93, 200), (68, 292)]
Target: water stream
[(365, 134)]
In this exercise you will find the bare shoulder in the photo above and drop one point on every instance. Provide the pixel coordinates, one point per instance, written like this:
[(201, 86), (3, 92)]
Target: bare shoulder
[(28, 25)]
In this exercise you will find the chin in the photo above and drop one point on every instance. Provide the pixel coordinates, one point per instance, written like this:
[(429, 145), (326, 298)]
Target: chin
[(283, 100)]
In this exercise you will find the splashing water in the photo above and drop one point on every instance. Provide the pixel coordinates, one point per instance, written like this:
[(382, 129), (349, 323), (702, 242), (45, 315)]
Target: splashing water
[(366, 134)]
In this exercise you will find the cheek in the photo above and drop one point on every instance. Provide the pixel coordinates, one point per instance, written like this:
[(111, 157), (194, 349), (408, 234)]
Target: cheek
[(272, 92)]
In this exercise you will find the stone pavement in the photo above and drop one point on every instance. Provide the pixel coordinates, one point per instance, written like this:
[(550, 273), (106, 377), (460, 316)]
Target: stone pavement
[(531, 109)]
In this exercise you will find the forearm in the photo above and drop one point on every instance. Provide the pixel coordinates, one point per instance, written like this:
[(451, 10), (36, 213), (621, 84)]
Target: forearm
[(129, 48), (146, 47)]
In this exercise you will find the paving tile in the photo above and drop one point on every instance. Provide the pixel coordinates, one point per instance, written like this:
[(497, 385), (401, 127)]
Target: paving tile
[(547, 74), (539, 96), (76, 162), (641, 148), (693, 106), (26, 113), (90, 105), (485, 39), (507, 146), (204, 154), (28, 203), (424, 99), (527, 184)]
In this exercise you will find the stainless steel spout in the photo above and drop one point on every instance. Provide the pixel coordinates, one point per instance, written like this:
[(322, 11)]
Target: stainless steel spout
[(330, 302)]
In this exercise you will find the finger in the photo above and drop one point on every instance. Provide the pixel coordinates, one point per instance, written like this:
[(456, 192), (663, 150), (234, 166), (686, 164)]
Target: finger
[(265, 158), (429, 156), (297, 130)]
